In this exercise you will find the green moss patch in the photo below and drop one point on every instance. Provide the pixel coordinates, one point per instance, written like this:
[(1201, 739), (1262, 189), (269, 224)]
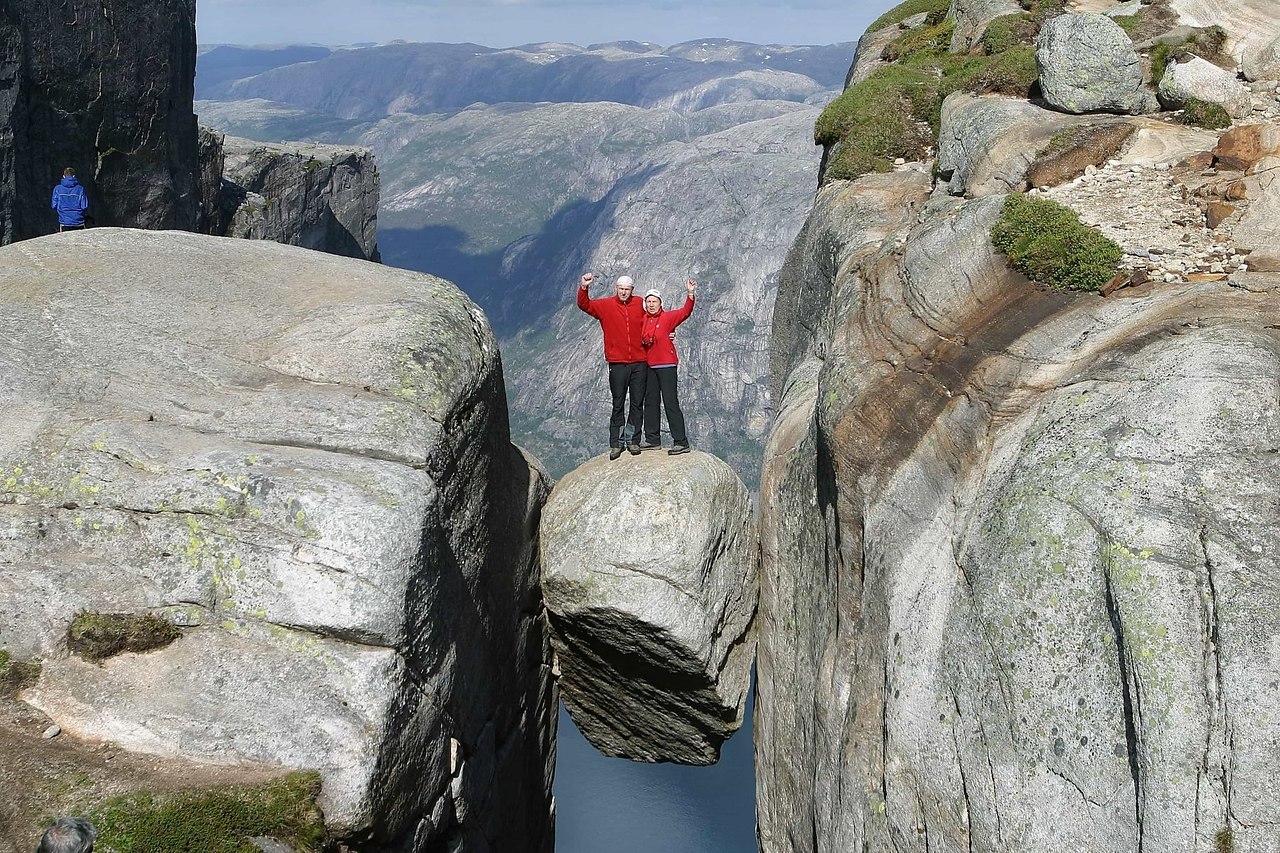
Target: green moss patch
[(216, 820), (900, 13), (1048, 243), (16, 675), (96, 636), (896, 111), (1198, 113)]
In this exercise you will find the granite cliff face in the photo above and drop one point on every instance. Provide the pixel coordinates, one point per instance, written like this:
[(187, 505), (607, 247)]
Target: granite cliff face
[(133, 143), (321, 197), (345, 536), (1019, 579)]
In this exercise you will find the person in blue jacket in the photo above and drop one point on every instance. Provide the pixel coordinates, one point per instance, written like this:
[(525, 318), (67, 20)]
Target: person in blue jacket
[(70, 200)]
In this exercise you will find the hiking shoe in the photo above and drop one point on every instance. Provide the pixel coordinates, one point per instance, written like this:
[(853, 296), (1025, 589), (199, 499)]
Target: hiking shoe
[(633, 449), (651, 445), (614, 453), (678, 449)]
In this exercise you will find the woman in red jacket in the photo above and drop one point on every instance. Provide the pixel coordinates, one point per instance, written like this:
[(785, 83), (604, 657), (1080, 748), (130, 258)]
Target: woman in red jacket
[(660, 352)]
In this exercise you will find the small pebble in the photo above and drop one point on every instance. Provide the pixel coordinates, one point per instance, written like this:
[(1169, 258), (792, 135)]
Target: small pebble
[(52, 732)]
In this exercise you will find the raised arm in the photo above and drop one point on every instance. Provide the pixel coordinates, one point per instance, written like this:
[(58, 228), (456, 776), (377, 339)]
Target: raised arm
[(584, 299), (682, 313)]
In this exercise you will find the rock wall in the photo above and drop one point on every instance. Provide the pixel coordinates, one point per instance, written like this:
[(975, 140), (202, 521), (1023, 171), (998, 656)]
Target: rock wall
[(322, 197), (345, 533), (132, 143), (1018, 590)]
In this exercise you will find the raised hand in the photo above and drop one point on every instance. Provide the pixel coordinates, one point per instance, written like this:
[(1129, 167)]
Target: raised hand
[(586, 280), (690, 286)]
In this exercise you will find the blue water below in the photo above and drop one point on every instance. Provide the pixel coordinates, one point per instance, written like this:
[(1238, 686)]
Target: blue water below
[(611, 805)]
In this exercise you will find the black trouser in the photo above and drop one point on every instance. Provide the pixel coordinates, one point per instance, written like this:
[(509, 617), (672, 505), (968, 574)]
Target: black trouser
[(70, 227), (662, 383), (624, 378)]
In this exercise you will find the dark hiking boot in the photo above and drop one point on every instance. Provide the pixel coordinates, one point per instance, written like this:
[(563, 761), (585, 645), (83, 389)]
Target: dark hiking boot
[(678, 449), (614, 453), (633, 449), (651, 445)]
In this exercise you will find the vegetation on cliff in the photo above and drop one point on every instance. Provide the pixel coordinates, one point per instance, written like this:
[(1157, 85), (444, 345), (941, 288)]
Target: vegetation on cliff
[(1048, 243), (215, 820), (96, 636), (896, 111)]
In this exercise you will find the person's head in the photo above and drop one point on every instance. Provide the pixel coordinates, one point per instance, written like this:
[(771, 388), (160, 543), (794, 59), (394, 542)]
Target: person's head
[(652, 302), (68, 835), (68, 172), (625, 287)]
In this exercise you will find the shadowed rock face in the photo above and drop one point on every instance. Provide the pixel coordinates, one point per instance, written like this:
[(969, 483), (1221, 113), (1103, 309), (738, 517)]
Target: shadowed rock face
[(133, 144), (650, 582), (322, 197), (305, 461), (1018, 591)]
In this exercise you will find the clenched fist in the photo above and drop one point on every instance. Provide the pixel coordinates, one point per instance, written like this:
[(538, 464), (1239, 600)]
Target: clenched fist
[(586, 280)]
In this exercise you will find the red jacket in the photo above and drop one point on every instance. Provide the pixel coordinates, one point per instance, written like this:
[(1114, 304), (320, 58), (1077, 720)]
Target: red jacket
[(656, 337), (622, 324)]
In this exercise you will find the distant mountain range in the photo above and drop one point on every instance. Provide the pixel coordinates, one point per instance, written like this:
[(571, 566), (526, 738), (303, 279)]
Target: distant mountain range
[(511, 171)]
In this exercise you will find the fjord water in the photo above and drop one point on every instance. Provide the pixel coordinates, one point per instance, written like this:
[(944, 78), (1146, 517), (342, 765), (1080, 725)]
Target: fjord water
[(611, 805)]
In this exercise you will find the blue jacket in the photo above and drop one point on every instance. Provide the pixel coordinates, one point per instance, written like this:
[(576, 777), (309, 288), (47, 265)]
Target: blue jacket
[(70, 200)]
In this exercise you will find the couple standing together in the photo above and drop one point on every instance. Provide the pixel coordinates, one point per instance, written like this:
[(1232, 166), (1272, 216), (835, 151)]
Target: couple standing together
[(642, 362)]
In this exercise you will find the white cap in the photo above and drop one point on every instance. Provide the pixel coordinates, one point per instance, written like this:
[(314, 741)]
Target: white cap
[(653, 293), (624, 281)]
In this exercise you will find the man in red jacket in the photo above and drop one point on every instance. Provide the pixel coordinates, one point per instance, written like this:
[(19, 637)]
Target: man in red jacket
[(622, 319)]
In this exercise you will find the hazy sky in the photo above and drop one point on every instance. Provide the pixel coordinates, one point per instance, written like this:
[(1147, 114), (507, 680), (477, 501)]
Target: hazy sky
[(503, 23)]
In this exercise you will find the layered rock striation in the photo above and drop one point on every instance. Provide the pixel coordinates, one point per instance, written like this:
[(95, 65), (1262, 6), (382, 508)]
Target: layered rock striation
[(1018, 587), (649, 574), (304, 463)]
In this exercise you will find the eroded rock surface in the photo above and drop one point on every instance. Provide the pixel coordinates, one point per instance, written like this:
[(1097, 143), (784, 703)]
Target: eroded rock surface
[(649, 574), (1018, 586), (1195, 78), (304, 460)]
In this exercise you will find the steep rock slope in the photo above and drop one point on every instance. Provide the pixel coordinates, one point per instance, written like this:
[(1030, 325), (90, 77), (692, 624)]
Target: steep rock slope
[(304, 462), (321, 197), (1019, 583), (133, 144)]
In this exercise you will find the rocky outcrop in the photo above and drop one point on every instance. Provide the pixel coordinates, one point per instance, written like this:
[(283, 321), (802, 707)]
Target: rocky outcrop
[(987, 145), (972, 16), (649, 574), (1250, 25), (1192, 78), (1015, 591), (322, 197), (304, 462), (132, 144), (1088, 64)]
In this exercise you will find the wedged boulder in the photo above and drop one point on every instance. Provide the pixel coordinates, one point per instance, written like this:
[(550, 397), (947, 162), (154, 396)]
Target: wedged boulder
[(304, 461), (986, 145), (1263, 63), (1087, 64), (650, 581), (1192, 77)]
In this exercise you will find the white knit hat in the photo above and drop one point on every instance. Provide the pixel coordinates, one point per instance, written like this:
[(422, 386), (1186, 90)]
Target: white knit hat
[(624, 281), (653, 293)]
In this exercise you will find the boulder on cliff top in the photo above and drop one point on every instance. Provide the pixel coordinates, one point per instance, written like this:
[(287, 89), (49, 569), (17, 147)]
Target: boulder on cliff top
[(649, 575), (1088, 64), (1195, 78), (972, 16), (304, 461)]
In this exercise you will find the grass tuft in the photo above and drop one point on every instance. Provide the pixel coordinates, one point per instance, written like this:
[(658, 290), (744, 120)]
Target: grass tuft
[(97, 636), (216, 820), (1047, 242), (1210, 116), (16, 675)]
